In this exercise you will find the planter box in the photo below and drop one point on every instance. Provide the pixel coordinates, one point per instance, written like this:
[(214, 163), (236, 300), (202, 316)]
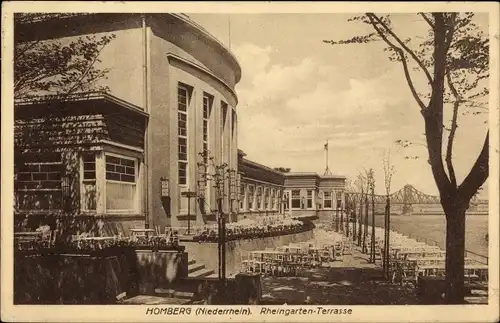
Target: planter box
[(160, 268), (50, 278), (248, 289), (72, 279)]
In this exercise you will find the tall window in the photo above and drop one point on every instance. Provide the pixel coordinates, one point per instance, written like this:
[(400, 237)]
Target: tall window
[(273, 201), (250, 197), (327, 200), (182, 113), (233, 123), (266, 198), (223, 116), (207, 110), (121, 184), (89, 189), (242, 196), (295, 199), (259, 197), (309, 199), (286, 198)]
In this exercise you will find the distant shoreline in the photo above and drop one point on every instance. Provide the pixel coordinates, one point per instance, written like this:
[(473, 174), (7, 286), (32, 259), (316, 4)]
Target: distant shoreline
[(432, 214)]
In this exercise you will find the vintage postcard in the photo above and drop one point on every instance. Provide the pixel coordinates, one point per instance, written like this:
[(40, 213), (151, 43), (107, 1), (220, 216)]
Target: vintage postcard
[(253, 162)]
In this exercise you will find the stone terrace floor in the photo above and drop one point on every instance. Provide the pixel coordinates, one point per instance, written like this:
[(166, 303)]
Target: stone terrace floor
[(353, 281)]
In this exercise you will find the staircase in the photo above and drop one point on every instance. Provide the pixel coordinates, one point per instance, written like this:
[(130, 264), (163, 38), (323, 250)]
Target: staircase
[(179, 294), (198, 270)]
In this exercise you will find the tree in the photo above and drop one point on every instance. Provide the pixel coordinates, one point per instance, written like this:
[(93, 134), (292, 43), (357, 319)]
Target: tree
[(360, 184), (389, 171), (371, 185), (453, 60), (283, 169), (54, 67), (365, 222), (351, 201), (53, 70)]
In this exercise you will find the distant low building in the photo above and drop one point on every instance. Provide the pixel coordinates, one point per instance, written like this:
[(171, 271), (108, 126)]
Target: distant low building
[(268, 191)]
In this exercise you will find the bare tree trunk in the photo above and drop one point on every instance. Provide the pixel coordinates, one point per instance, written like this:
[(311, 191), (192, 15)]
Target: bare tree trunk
[(387, 237), (347, 222), (360, 224), (455, 254), (365, 229), (341, 220), (373, 230), (355, 219)]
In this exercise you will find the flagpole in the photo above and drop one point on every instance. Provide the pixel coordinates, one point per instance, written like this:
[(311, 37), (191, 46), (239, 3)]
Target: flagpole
[(229, 30), (327, 155), (327, 169)]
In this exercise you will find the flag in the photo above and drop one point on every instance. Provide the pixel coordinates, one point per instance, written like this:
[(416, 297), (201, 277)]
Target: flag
[(326, 146)]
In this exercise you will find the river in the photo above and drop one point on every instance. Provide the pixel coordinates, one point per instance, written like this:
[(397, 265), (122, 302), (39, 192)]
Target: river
[(433, 227)]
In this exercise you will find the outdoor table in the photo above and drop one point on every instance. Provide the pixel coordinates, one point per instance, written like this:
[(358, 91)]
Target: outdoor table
[(146, 232), (270, 255), (427, 254), (418, 254), (294, 249), (430, 270), (424, 259), (258, 266), (96, 238), (245, 265), (256, 255), (28, 236)]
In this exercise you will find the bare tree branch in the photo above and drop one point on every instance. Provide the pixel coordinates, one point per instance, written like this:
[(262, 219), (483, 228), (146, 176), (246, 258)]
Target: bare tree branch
[(21, 51), (406, 48), (451, 136), (427, 19), (403, 61), (478, 174), (89, 67)]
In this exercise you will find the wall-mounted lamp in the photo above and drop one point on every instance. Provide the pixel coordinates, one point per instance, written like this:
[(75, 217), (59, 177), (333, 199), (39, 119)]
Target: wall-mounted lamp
[(165, 195), (165, 187)]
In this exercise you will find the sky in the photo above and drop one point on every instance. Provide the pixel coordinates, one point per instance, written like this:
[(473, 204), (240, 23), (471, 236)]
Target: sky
[(297, 92)]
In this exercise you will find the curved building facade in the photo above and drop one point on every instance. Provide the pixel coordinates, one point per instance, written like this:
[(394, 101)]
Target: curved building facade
[(168, 119)]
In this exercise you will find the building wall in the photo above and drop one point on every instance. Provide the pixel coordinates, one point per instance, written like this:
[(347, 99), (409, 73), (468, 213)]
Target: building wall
[(319, 188), (160, 132), (256, 177), (123, 58), (192, 42), (172, 66), (176, 51)]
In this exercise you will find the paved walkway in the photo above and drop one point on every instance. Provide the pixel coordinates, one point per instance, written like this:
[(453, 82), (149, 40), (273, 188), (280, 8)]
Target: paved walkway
[(353, 281)]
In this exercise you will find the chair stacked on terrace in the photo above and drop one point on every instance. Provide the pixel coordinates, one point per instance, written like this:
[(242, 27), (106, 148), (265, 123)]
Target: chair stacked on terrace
[(410, 259), (293, 259), (247, 229)]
